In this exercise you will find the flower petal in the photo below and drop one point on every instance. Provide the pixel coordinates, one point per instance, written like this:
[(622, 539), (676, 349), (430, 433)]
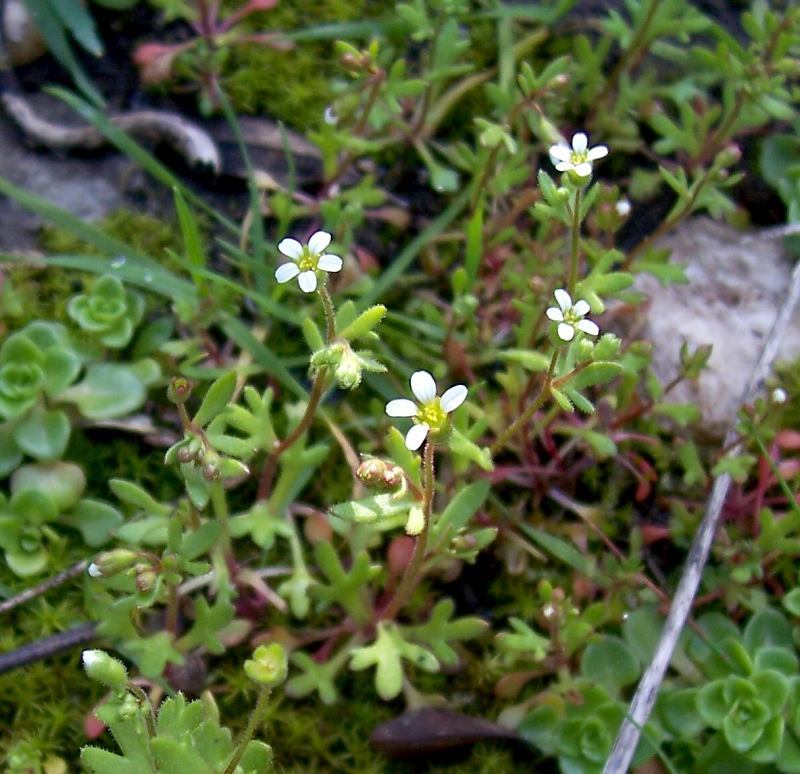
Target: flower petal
[(318, 241), (598, 152), (581, 308), (286, 271), (416, 436), (565, 332), (564, 166), (454, 397), (307, 281), (587, 326), (291, 248), (555, 314), (584, 169), (560, 152), (401, 407), (580, 142), (423, 386), (329, 262), (563, 299)]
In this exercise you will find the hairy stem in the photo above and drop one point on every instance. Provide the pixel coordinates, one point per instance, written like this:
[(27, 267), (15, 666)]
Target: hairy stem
[(330, 314), (255, 720), (575, 245), (411, 576)]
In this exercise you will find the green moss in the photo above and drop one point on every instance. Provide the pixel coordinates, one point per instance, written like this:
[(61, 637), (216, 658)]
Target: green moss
[(291, 86), (146, 233)]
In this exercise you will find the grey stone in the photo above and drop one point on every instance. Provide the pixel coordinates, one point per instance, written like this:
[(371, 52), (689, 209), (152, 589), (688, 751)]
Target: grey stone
[(737, 282)]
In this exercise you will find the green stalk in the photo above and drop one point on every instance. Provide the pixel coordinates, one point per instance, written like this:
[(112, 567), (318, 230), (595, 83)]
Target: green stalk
[(525, 416), (256, 718), (330, 314), (575, 248), (411, 577)]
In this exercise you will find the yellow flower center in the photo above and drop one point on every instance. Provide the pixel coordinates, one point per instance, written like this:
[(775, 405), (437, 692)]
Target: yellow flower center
[(433, 415), (308, 260), (578, 157)]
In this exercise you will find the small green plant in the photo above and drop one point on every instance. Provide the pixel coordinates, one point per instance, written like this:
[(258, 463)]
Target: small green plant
[(108, 311), (179, 734)]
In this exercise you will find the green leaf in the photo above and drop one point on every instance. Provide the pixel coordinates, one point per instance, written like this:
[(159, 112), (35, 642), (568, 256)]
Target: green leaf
[(678, 711), (642, 632), (595, 373), (43, 434), (474, 246), (562, 550), (364, 323), (609, 662), (199, 541), (462, 446), (372, 509), (312, 335), (192, 241), (173, 756), (61, 482), (440, 630), (107, 391), (792, 602), (344, 588), (95, 520), (528, 358), (459, 511), (134, 495), (99, 761), (768, 627), (316, 676), (209, 620), (216, 398), (61, 368), (711, 703)]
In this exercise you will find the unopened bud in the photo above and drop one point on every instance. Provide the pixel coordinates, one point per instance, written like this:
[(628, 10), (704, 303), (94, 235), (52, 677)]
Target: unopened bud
[(145, 577), (105, 669), (110, 563), (268, 666), (179, 390)]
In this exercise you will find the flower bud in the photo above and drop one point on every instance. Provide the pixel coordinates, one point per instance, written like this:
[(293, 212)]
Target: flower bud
[(179, 390), (348, 369), (105, 669), (268, 666), (146, 577), (110, 563), (416, 521)]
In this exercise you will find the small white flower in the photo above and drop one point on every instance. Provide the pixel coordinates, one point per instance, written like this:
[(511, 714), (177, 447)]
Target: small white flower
[(329, 116), (579, 157), (94, 571), (779, 395), (623, 207), (570, 317), (430, 414), (307, 260)]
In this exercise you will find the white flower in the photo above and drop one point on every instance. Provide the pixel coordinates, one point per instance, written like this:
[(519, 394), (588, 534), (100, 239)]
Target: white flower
[(623, 207), (94, 571), (779, 395), (430, 414), (579, 157), (570, 317), (307, 260)]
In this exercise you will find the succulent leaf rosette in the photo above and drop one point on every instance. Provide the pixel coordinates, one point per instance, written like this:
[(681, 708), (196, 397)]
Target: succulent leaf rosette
[(108, 311), (38, 360)]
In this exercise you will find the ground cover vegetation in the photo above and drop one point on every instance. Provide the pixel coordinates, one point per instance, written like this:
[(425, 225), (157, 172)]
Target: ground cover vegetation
[(385, 438)]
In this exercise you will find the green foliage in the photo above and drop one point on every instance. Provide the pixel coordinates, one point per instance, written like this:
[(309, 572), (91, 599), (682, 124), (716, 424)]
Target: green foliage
[(108, 311)]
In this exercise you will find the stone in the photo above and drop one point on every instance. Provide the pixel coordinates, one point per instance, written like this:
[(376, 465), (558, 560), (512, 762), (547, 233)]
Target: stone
[(737, 283)]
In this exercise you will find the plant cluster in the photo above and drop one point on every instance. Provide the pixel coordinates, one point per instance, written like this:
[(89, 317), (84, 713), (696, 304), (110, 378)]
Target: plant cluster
[(324, 509)]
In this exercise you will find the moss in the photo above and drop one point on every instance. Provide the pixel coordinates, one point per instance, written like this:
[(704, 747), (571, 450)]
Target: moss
[(146, 233), (291, 86)]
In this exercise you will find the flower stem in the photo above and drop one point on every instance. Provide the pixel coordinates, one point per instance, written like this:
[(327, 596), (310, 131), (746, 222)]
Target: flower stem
[(265, 482), (330, 315), (525, 416), (575, 248), (412, 573), (220, 504), (255, 720)]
